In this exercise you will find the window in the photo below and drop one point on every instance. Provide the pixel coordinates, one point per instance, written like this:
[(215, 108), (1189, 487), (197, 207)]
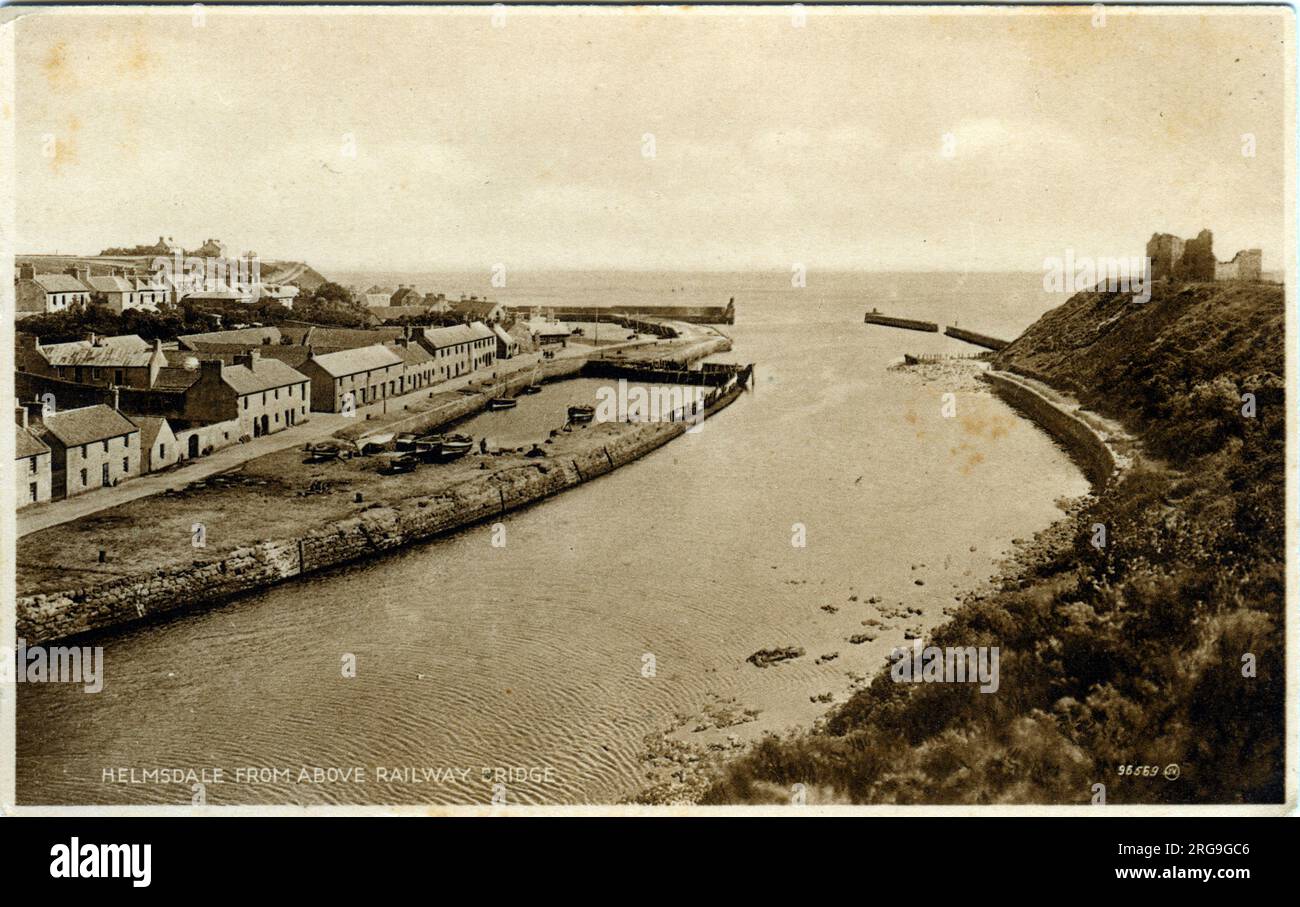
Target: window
[(126, 464), (118, 377), (33, 464), (32, 490), (85, 448), (245, 403), (94, 371), (106, 447), (83, 478)]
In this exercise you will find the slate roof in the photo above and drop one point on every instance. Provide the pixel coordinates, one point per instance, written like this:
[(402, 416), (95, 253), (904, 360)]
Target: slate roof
[(349, 362), (175, 378), (149, 427), (480, 308), (103, 356), (265, 375), (412, 354), (456, 334), (130, 342), (28, 445), (245, 337), (334, 339), (74, 427), (291, 354), (60, 283)]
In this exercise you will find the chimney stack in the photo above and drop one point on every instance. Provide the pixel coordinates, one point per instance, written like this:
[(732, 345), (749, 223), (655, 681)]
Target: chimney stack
[(26, 271), (20, 413), (210, 368)]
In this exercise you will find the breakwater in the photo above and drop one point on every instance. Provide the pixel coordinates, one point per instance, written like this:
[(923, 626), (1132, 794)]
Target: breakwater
[(383, 527), (908, 324), (1062, 420), (693, 314), (984, 340)]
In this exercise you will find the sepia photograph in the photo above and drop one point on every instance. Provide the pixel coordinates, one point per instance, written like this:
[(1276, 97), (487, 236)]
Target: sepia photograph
[(635, 410)]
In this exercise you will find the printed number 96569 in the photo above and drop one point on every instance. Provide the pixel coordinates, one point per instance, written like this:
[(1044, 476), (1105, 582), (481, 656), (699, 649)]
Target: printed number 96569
[(1139, 771)]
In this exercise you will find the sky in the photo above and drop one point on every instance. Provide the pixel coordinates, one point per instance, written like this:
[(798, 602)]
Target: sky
[(683, 140)]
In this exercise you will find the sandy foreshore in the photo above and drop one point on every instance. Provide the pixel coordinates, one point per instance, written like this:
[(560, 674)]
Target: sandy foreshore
[(681, 761)]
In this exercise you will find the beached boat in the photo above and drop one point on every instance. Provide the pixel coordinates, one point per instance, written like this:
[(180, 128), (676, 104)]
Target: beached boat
[(533, 386), (499, 400), (453, 446), (582, 414), (405, 441), (325, 450), (375, 442), (399, 465)]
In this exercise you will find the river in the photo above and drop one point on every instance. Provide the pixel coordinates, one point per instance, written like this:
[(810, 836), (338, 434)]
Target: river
[(610, 612)]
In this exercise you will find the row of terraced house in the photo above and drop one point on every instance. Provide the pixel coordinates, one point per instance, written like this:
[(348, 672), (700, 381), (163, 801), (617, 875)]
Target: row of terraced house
[(102, 410)]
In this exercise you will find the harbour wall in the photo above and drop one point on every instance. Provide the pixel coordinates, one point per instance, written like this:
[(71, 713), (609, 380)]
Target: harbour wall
[(907, 324), (382, 528), (984, 340), (1086, 445), (474, 402)]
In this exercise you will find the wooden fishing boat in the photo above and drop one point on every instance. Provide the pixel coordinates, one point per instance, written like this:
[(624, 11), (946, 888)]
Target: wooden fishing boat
[(582, 414), (502, 403), (427, 446), (324, 450), (405, 441), (454, 446)]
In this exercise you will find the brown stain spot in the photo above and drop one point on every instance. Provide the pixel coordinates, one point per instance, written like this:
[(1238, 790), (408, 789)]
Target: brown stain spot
[(973, 460), (55, 65), (138, 61), (910, 416), (993, 427), (65, 146)]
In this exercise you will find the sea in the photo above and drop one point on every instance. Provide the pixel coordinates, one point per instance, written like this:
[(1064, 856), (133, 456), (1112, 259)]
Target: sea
[(534, 662)]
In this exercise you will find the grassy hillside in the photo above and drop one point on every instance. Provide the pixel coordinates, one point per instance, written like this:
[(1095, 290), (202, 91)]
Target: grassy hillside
[(1131, 654)]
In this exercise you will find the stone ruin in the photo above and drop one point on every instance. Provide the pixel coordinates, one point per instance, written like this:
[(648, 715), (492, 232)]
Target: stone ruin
[(1175, 258)]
